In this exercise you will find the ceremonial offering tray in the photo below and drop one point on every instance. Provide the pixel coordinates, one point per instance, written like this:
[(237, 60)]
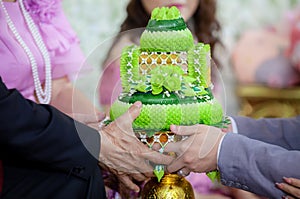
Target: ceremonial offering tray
[(170, 75)]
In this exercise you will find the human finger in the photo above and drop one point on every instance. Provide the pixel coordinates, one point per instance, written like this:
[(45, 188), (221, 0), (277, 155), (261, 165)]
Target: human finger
[(157, 158), (292, 181), (181, 146), (101, 116), (183, 172), (149, 174), (291, 190), (132, 113), (185, 130), (173, 147), (288, 197), (128, 183), (142, 166), (176, 165), (138, 176)]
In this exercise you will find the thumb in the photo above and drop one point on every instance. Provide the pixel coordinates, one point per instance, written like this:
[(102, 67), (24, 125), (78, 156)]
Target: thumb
[(132, 113), (101, 116)]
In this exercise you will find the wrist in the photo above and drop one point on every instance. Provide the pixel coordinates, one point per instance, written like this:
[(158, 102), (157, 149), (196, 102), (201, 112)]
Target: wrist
[(212, 160), (219, 149)]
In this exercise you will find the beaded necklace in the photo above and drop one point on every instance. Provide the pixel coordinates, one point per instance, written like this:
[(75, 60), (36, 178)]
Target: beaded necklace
[(43, 96)]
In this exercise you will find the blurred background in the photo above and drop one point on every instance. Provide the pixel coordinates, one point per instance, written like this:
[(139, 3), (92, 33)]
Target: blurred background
[(98, 21)]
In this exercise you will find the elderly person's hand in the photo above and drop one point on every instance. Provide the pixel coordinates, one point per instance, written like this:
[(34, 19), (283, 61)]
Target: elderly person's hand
[(124, 154), (291, 186), (197, 153)]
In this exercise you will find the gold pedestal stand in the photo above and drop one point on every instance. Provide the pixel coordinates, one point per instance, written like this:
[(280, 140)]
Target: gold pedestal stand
[(171, 185)]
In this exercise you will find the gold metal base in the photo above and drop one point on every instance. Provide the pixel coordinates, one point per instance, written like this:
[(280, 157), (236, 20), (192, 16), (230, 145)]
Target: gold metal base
[(171, 186)]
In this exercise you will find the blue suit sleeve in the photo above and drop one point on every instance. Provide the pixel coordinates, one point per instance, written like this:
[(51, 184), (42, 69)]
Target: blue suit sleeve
[(256, 166), (277, 131), (40, 133)]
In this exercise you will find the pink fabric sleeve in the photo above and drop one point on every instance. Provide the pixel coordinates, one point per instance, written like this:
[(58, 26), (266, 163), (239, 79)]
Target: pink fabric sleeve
[(59, 37), (110, 84), (200, 182)]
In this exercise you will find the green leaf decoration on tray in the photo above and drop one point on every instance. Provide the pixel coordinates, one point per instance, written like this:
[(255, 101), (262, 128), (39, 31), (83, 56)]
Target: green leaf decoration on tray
[(168, 77), (129, 67), (157, 81), (214, 176), (165, 13), (159, 172), (173, 83)]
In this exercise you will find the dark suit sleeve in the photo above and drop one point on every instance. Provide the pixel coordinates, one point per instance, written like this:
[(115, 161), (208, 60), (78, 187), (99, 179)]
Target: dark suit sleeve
[(40, 133), (256, 166), (278, 131)]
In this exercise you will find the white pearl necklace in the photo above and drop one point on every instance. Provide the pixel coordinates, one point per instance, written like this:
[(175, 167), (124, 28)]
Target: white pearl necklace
[(43, 96)]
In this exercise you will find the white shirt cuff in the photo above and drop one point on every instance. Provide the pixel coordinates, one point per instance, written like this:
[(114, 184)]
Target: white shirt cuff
[(219, 148), (234, 130), (233, 125)]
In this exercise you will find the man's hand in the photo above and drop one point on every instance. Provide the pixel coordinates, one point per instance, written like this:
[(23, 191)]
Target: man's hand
[(124, 154), (198, 153)]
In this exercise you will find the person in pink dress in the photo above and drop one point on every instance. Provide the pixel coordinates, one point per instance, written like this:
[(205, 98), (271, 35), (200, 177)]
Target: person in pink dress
[(30, 20), (40, 56)]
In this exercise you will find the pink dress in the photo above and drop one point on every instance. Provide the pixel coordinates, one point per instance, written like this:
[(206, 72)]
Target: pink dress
[(110, 84), (60, 39)]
